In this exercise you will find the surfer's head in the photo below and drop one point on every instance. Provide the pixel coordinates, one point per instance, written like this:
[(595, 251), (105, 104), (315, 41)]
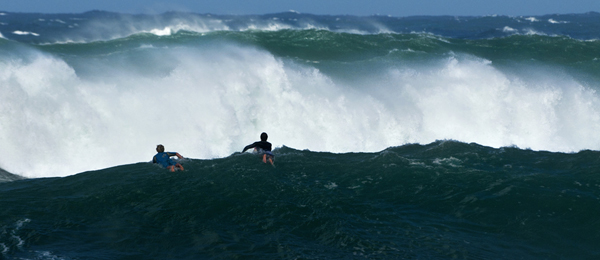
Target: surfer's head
[(264, 136), (160, 148)]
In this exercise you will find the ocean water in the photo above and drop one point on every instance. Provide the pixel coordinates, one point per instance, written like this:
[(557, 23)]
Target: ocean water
[(432, 137)]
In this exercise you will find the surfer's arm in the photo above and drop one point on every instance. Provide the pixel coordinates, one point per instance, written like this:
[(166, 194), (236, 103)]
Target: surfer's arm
[(175, 154), (250, 146)]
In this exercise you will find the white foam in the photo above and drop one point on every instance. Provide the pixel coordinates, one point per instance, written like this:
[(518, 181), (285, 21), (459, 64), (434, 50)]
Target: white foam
[(470, 101), (508, 29), (534, 32), (556, 22), (25, 33), (211, 102), (271, 26), (164, 32), (107, 30)]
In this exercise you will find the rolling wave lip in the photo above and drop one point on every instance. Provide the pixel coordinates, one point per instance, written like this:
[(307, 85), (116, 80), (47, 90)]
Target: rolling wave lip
[(389, 89), (316, 36)]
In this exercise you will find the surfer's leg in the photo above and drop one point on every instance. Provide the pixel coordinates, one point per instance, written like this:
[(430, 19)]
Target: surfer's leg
[(268, 156), (171, 168), (179, 166)]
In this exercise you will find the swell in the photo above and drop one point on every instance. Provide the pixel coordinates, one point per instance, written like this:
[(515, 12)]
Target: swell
[(347, 56), (445, 199), (323, 45), (103, 26), (314, 89)]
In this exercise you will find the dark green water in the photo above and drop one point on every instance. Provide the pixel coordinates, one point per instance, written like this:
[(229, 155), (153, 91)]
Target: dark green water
[(87, 96), (445, 200)]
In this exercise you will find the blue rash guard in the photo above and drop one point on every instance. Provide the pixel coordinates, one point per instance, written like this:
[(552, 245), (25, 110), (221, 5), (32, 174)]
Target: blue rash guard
[(164, 159)]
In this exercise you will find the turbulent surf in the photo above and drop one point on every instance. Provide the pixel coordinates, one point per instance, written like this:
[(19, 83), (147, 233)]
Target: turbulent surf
[(397, 137)]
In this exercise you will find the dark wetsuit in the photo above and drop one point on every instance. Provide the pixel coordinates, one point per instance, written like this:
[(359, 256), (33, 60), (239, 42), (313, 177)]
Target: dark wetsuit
[(263, 146)]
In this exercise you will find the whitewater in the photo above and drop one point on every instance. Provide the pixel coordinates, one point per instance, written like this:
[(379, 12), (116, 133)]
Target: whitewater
[(433, 137), (89, 91)]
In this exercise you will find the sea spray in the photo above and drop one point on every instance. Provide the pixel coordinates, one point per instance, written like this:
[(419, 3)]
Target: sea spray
[(70, 107), (395, 137), (112, 109)]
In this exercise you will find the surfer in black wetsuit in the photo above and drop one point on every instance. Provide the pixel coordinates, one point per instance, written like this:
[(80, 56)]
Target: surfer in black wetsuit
[(263, 147)]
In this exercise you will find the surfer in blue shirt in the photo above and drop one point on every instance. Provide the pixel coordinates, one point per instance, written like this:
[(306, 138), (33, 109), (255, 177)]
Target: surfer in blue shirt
[(263, 147), (164, 158)]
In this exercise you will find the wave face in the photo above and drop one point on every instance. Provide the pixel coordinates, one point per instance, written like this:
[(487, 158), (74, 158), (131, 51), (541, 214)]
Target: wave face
[(413, 138), (438, 201), (93, 90)]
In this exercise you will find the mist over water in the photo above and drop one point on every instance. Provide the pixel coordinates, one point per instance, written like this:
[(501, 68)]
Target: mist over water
[(396, 138), (68, 107), (207, 103)]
